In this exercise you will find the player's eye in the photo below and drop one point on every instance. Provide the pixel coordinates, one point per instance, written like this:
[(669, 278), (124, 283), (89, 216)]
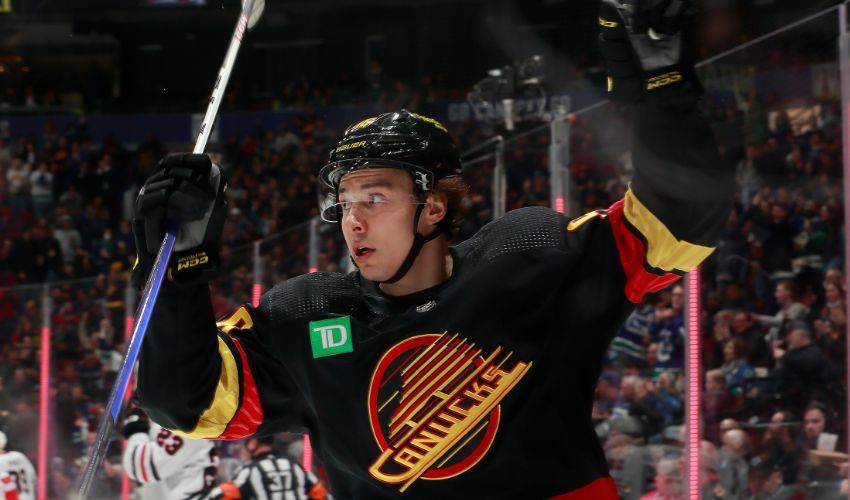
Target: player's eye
[(376, 198)]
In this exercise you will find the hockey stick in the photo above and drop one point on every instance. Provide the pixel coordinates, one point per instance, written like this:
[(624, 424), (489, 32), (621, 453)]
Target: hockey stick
[(251, 12)]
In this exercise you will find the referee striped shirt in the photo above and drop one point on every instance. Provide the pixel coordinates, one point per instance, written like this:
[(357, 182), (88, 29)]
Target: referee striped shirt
[(269, 477)]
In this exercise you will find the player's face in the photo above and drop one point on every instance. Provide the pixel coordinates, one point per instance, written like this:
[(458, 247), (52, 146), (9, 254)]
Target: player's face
[(378, 218)]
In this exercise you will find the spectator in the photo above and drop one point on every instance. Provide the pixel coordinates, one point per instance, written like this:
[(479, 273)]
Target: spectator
[(744, 327), (789, 310), (41, 190), (668, 330), (802, 370), (670, 403), (732, 466), (668, 481), (47, 255), (767, 484), (778, 447), (17, 182), (814, 425), (633, 337), (718, 403), (737, 372), (642, 405), (68, 237)]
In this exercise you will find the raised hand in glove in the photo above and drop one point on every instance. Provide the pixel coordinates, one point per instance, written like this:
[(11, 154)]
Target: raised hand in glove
[(643, 43), (187, 189), (136, 421)]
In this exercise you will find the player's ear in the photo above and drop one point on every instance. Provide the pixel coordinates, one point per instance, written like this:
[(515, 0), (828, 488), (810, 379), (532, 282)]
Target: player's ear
[(436, 206)]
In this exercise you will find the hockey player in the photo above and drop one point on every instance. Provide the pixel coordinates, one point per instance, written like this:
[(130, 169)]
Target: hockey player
[(437, 371), (168, 466), (19, 469), (267, 476)]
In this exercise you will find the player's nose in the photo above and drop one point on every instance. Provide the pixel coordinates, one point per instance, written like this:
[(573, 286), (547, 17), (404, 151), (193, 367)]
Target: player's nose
[(354, 221)]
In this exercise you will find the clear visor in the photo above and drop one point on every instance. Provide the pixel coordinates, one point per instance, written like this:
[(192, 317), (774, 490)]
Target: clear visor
[(333, 208), (366, 204)]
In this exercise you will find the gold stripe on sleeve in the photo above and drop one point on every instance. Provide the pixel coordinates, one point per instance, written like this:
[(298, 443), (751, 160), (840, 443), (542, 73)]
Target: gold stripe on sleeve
[(664, 251), (214, 420)]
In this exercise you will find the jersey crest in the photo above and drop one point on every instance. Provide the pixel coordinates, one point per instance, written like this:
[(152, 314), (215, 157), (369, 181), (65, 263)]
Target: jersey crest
[(434, 406)]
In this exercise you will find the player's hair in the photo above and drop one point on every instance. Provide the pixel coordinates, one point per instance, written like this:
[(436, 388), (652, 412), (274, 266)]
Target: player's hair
[(455, 189)]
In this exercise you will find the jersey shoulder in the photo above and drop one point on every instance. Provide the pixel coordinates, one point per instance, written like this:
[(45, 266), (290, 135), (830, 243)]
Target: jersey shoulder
[(519, 230), (14, 458), (315, 294)]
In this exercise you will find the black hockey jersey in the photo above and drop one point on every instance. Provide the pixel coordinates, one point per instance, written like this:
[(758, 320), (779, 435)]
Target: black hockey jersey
[(481, 387)]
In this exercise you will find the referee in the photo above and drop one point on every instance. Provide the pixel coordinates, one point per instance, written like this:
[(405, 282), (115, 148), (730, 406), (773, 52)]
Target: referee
[(269, 477)]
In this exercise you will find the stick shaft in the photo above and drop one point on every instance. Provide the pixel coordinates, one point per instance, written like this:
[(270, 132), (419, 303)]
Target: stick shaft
[(157, 275), (116, 397), (223, 77)]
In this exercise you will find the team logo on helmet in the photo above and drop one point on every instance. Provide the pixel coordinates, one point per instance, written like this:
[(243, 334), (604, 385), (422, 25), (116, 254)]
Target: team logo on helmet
[(431, 121), (361, 124), (434, 406)]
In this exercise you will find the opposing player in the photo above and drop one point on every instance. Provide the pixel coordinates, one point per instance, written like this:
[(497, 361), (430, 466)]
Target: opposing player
[(435, 371), (167, 466), (20, 472), (267, 476)]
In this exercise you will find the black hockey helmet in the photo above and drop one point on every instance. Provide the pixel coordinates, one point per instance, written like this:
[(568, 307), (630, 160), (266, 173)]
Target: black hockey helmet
[(403, 140)]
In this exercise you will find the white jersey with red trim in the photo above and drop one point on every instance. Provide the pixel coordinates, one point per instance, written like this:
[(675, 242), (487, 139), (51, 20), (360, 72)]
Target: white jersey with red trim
[(7, 487), (169, 466), (22, 474)]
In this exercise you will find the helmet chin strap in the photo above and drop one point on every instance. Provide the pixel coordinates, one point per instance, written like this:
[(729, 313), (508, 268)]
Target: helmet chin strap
[(418, 242)]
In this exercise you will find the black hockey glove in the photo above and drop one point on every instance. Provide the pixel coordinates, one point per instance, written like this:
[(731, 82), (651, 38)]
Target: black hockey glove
[(187, 189), (136, 421), (644, 43)]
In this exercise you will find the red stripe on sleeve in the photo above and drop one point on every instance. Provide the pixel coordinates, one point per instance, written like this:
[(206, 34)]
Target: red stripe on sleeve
[(250, 413), (632, 252), (142, 463)]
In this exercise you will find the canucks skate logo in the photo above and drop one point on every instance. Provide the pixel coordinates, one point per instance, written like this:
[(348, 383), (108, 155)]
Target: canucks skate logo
[(434, 407)]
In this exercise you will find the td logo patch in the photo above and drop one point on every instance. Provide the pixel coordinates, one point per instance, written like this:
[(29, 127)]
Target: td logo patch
[(330, 337)]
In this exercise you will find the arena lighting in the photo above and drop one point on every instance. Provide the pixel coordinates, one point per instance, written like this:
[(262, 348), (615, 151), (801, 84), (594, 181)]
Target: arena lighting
[(125, 479), (692, 410), (307, 455), (559, 205), (257, 288), (256, 293), (43, 409), (313, 262)]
